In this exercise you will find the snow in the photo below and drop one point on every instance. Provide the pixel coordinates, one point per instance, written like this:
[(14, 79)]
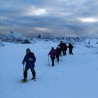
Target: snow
[(76, 76), (1, 44)]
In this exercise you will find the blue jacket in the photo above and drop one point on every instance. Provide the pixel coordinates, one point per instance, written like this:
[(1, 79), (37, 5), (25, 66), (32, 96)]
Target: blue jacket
[(30, 59)]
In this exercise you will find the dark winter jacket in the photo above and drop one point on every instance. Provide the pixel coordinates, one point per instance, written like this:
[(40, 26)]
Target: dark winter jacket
[(65, 46), (58, 51), (70, 46), (61, 45), (30, 59)]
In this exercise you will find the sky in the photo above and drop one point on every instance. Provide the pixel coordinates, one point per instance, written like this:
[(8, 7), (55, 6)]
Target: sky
[(59, 17)]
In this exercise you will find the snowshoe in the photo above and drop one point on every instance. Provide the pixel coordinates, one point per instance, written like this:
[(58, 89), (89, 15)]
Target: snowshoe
[(23, 80), (33, 79)]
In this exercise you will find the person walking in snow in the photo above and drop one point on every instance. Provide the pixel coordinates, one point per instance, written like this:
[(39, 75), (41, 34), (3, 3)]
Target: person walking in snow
[(52, 54), (61, 45), (58, 52), (29, 61), (70, 48), (65, 48)]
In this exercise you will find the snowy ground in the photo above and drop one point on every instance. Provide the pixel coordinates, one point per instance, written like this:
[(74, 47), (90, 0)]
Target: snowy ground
[(76, 76)]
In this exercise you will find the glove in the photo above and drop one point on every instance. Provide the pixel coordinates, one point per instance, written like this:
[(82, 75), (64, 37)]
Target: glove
[(23, 63)]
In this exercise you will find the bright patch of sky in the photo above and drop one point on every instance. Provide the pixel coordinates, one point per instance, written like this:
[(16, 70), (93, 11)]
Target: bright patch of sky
[(89, 20)]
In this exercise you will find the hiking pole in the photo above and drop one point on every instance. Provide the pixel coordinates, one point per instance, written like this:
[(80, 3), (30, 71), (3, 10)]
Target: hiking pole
[(48, 60), (23, 68)]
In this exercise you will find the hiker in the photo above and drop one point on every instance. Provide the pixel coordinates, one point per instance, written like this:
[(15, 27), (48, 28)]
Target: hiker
[(70, 48), (65, 48), (61, 45), (58, 52), (29, 61), (52, 54)]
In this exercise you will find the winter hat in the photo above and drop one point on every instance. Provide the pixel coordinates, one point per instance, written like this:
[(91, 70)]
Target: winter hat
[(28, 50), (52, 48)]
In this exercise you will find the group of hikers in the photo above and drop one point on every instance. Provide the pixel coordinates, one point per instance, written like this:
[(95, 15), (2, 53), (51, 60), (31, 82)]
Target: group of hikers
[(30, 59), (59, 51)]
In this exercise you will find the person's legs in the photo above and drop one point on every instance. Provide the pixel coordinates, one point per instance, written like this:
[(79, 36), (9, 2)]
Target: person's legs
[(57, 58), (65, 52), (60, 53), (52, 58), (70, 51), (25, 73), (33, 72)]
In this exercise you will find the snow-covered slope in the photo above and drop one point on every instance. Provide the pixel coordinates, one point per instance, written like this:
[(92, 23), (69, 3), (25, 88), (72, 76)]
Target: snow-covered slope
[(76, 76), (1, 44)]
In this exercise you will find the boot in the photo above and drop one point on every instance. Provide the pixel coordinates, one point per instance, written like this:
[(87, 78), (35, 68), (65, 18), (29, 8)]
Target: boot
[(33, 78), (33, 74), (24, 80), (25, 77)]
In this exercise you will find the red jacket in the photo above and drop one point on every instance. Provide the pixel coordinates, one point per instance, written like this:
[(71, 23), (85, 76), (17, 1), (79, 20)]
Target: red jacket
[(52, 53)]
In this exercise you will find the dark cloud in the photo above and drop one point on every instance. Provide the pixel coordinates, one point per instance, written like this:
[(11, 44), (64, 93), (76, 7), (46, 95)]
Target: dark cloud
[(62, 17)]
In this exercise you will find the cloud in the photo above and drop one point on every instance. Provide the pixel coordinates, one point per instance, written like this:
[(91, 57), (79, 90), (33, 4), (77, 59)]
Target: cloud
[(34, 11), (62, 17), (89, 19)]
